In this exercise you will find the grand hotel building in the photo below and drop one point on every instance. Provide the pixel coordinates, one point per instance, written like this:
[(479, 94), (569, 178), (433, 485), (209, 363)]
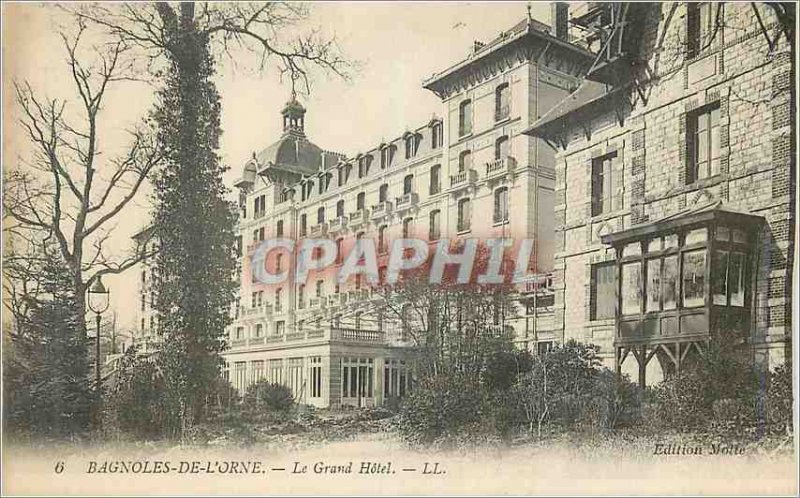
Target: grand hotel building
[(466, 172)]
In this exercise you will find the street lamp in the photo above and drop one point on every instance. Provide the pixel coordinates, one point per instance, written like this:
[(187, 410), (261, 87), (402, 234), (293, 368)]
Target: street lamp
[(98, 302)]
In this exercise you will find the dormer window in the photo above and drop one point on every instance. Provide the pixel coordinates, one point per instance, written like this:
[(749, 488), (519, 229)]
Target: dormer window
[(387, 156), (364, 163), (436, 135), (412, 145)]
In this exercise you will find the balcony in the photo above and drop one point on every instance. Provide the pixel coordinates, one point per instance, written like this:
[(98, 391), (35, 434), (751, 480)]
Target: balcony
[(257, 311), (500, 167), (358, 218), (356, 295), (316, 303), (357, 335), (381, 210), (272, 339), (463, 180), (318, 230), (339, 299), (337, 224), (295, 336), (407, 202), (238, 343), (256, 341)]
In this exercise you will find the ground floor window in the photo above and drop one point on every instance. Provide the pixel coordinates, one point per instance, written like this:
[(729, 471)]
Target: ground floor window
[(257, 371), (396, 378), (543, 347), (316, 377), (276, 371), (295, 372), (240, 375), (357, 377)]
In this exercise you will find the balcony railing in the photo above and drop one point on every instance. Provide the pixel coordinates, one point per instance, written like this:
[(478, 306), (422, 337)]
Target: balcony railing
[(315, 334), (463, 179), (316, 303), (318, 230), (256, 341), (357, 335), (295, 336), (337, 224), (381, 209), (500, 167), (264, 309), (339, 299), (272, 339), (407, 201), (358, 218), (238, 343)]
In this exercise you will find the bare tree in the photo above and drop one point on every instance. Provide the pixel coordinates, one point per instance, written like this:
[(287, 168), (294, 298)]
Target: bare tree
[(66, 193), (266, 29)]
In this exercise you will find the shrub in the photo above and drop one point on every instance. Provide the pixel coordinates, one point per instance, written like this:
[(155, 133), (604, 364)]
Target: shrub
[(264, 395), (440, 406), (779, 402), (615, 402)]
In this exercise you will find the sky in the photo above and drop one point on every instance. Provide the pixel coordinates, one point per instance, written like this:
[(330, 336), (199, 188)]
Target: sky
[(396, 46)]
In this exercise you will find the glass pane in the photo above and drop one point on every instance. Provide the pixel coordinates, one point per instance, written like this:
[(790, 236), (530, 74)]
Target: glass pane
[(654, 285), (632, 249), (670, 241), (719, 277), (739, 236), (605, 294), (736, 278), (631, 288), (654, 245), (670, 287), (696, 236), (722, 233), (694, 264)]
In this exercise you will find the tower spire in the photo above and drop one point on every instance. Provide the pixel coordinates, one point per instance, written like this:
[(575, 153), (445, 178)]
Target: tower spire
[(293, 116)]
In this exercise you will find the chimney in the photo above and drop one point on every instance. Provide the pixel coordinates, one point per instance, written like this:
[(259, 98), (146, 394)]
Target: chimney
[(559, 20)]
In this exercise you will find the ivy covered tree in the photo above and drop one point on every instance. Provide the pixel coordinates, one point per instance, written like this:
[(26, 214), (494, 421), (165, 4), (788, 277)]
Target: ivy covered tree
[(193, 225)]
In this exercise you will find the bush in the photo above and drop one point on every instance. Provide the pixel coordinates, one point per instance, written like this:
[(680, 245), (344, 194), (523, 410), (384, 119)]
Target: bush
[(615, 402), (779, 402), (264, 395), (440, 406)]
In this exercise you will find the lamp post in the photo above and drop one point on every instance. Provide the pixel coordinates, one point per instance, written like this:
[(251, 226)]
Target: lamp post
[(98, 303)]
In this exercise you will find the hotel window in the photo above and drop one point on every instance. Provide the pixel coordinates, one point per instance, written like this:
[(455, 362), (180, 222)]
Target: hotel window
[(240, 375), (632, 288), (258, 370), (363, 165), (411, 143), (278, 300), (383, 193), (276, 371), (602, 291), (604, 184), (279, 229), (295, 372), (703, 143), (239, 333), (358, 316), (436, 135), (502, 102), (387, 156), (396, 378), (407, 228), (700, 20), (316, 376), (339, 208), (465, 118), (278, 263), (319, 288), (408, 182), (464, 215), (280, 327), (382, 246), (694, 278), (339, 251), (301, 299), (501, 205), (464, 161), (360, 200), (501, 146), (321, 215), (259, 330), (728, 268), (303, 225), (435, 179), (434, 225), (357, 377)]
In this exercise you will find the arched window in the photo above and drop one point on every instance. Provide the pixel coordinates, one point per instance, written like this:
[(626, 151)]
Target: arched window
[(434, 225), (464, 161), (382, 245), (464, 215), (502, 102), (407, 227), (339, 208), (435, 179), (501, 205), (321, 215), (408, 182), (411, 146), (383, 193), (501, 148), (360, 201), (387, 156), (436, 135), (465, 118), (278, 300)]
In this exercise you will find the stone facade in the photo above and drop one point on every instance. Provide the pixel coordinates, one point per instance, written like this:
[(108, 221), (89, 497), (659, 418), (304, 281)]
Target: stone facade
[(645, 124), (296, 190)]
